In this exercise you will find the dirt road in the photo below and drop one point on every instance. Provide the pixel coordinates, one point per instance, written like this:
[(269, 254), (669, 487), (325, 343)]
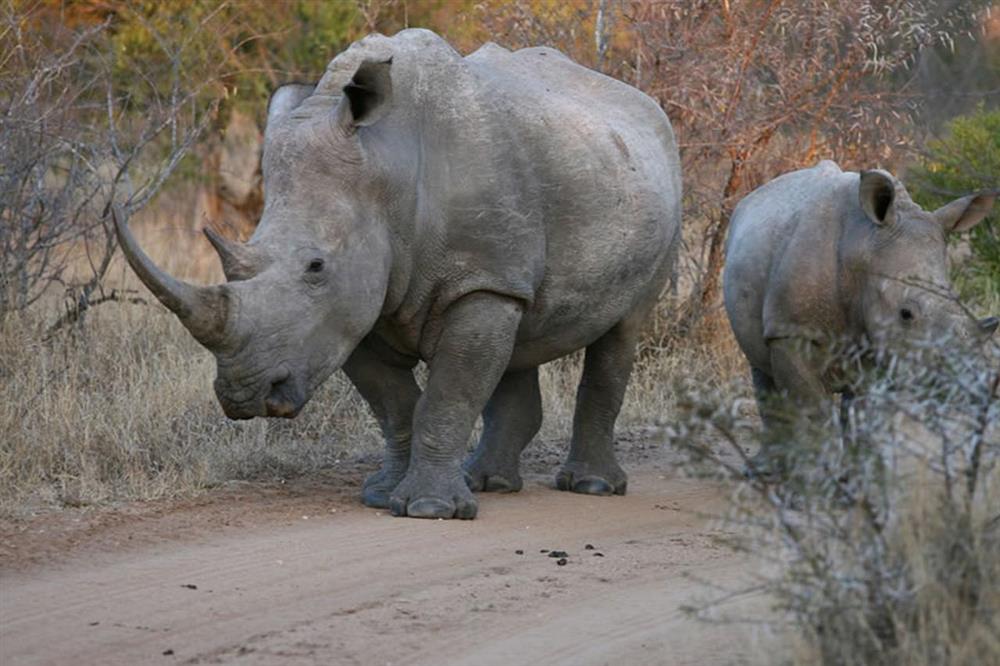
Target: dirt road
[(311, 577)]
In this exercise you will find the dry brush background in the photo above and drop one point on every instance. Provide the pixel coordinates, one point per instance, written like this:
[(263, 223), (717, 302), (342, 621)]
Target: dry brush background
[(156, 110)]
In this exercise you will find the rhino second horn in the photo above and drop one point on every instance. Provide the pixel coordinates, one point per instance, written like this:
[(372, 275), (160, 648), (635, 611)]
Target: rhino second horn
[(237, 259), (202, 310)]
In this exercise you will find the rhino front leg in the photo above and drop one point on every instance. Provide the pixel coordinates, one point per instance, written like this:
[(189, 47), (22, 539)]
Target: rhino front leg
[(764, 465), (385, 380), (591, 467), (794, 388), (511, 418), (472, 352), (797, 368)]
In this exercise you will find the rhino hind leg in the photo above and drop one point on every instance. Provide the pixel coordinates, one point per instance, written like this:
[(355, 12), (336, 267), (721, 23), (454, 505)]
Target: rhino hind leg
[(511, 419), (470, 357), (385, 381), (591, 467)]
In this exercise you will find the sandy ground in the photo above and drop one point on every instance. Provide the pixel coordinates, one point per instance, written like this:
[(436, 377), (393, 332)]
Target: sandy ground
[(301, 573)]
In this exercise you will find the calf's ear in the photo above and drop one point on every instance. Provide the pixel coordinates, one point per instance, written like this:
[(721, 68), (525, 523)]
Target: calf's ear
[(367, 95), (877, 194), (286, 99), (963, 214)]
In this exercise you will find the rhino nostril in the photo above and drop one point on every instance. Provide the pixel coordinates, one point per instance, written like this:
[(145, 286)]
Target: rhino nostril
[(989, 325), (283, 400), (278, 383)]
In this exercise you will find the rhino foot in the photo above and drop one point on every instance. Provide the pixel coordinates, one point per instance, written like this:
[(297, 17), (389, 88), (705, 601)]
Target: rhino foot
[(378, 487), (487, 476), (592, 480), (432, 494)]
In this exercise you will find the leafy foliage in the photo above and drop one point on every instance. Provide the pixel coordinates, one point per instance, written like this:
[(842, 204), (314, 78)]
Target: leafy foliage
[(967, 160)]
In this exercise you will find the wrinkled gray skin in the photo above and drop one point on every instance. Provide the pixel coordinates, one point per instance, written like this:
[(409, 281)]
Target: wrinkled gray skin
[(486, 214), (822, 254)]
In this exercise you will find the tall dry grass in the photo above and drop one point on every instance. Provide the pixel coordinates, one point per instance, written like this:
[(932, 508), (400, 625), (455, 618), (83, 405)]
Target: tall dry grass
[(122, 407)]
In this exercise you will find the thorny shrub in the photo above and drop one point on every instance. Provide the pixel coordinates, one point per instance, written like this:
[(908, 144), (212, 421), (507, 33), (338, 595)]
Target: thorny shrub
[(882, 542)]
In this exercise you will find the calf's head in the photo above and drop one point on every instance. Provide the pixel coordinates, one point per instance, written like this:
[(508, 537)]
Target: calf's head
[(899, 262), (311, 282)]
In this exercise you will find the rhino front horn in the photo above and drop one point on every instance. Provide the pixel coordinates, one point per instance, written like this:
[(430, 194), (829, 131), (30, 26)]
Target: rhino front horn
[(202, 310), (238, 261)]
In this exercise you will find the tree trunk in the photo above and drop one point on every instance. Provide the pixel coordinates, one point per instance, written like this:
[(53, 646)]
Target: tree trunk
[(713, 270)]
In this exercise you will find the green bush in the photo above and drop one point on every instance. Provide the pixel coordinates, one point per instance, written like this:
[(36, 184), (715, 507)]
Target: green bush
[(967, 160)]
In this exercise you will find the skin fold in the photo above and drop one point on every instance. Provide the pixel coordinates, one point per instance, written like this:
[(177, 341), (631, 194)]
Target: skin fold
[(485, 214)]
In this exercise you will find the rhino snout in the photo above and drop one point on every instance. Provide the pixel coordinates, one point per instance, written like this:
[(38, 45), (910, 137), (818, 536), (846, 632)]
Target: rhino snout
[(278, 393), (285, 398), (988, 326)]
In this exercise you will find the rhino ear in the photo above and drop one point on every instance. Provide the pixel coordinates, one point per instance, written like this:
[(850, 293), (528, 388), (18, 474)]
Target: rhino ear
[(286, 99), (367, 96), (963, 214), (877, 194)]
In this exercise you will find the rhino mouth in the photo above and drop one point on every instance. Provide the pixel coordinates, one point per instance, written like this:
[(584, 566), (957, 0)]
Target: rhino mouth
[(281, 397), (285, 398)]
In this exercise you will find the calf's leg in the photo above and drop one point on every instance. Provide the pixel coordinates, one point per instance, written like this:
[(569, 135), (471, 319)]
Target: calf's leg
[(794, 388), (763, 464)]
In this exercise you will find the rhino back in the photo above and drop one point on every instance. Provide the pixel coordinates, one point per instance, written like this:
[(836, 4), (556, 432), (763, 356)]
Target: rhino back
[(782, 276), (604, 159), (536, 178)]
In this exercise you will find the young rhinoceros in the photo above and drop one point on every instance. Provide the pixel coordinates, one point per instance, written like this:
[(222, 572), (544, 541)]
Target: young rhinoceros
[(486, 214), (822, 255)]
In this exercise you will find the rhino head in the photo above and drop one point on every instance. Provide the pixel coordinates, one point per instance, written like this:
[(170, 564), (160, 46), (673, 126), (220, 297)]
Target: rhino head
[(312, 280), (900, 268)]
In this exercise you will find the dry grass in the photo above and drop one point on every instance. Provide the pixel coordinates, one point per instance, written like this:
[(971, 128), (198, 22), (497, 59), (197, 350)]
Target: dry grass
[(939, 548), (123, 409)]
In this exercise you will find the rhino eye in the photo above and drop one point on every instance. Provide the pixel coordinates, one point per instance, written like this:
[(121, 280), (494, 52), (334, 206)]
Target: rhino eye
[(315, 266), (906, 314)]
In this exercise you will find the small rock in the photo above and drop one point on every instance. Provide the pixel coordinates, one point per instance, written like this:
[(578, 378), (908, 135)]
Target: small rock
[(589, 546), (558, 553), (561, 561), (598, 554), (519, 552), (544, 550), (190, 586), (167, 653)]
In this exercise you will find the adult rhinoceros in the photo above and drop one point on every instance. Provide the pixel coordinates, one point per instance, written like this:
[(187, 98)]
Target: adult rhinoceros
[(486, 214), (821, 255)]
